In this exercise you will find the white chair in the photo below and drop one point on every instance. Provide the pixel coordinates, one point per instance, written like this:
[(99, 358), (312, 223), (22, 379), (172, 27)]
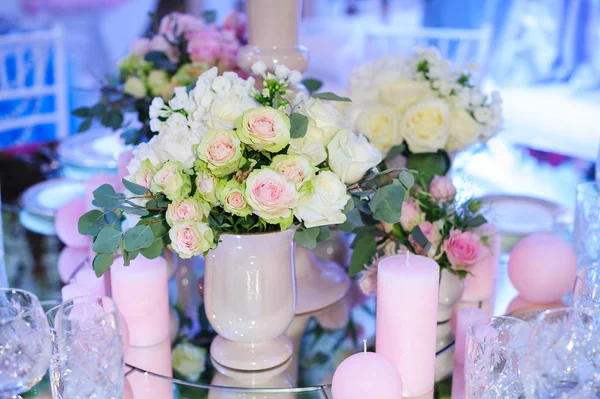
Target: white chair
[(25, 61), (461, 46)]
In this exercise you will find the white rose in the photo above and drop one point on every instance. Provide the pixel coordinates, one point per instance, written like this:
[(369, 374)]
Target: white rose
[(380, 125), (172, 181), (311, 146), (141, 153), (225, 110), (189, 360), (464, 131), (322, 115), (425, 126), (295, 168), (135, 87), (325, 204), (177, 145), (191, 238), (206, 185), (403, 93), (351, 156)]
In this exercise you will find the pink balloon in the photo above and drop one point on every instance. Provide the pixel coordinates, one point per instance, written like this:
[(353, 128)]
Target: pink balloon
[(542, 267), (69, 259), (66, 221)]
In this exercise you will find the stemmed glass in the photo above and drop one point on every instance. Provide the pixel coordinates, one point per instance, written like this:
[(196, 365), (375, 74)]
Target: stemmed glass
[(25, 346), (88, 360), (561, 360), (586, 290)]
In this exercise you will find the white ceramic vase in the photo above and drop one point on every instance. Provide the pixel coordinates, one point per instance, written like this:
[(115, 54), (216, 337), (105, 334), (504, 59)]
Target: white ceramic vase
[(273, 35), (250, 299), (451, 290)]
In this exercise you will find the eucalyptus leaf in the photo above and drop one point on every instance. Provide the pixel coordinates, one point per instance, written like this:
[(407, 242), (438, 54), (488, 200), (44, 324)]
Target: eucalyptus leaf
[(429, 165), (107, 198), (330, 97), (134, 211), (160, 61), (128, 256), (476, 221), (85, 125), (312, 85), (353, 220), (134, 188), (82, 112), (138, 237), (107, 241), (307, 238), (362, 206), (112, 119), (90, 223), (386, 204), (153, 251), (101, 263), (364, 250), (299, 124), (407, 179), (324, 234)]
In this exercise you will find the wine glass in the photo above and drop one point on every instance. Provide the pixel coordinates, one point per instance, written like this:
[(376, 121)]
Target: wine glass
[(25, 346), (586, 290), (561, 359), (89, 359)]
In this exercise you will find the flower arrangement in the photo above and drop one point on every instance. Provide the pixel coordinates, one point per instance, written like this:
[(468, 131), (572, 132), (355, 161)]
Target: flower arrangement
[(176, 50), (229, 159), (416, 110), (432, 224)]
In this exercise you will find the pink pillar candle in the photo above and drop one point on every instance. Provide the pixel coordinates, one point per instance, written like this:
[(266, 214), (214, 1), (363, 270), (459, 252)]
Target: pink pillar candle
[(366, 375), (141, 293), (458, 382), (87, 279), (480, 283), (156, 359), (407, 304), (465, 317)]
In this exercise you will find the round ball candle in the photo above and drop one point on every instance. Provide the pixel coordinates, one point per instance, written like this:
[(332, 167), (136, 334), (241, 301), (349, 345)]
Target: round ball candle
[(70, 260), (542, 267), (366, 375), (140, 290), (465, 317), (65, 223), (407, 304)]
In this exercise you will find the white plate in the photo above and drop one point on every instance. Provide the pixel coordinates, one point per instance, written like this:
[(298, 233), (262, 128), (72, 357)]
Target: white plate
[(45, 198), (96, 149)]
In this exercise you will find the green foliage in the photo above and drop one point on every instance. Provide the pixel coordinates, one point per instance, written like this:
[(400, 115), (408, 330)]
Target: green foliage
[(138, 237), (429, 165), (102, 262), (107, 198), (210, 16), (91, 223), (299, 125), (107, 241), (330, 97), (312, 85), (134, 188), (386, 204), (365, 248), (159, 60)]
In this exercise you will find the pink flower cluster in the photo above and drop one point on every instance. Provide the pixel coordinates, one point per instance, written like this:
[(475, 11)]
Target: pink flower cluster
[(464, 249)]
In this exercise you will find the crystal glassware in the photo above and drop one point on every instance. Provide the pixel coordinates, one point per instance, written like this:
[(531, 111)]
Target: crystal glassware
[(495, 346), (25, 346), (88, 360), (586, 234), (561, 360), (586, 290)]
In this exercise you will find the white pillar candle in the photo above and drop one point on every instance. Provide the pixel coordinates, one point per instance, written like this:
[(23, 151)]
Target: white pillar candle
[(141, 293), (407, 303)]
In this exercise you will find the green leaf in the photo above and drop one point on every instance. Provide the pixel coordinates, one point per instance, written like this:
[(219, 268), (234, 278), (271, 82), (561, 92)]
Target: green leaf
[(107, 241), (407, 179), (362, 206), (312, 85), (299, 125), (135, 188), (476, 221), (128, 256), (353, 220), (429, 165), (90, 223), (210, 16), (138, 237), (307, 238), (112, 119), (85, 125), (395, 151), (420, 239), (386, 204), (324, 234), (160, 60), (107, 198), (82, 112), (153, 251), (134, 211), (330, 97), (102, 262), (364, 251), (278, 100)]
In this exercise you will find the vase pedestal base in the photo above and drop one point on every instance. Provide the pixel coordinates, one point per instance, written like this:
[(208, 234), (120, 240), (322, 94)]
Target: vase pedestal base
[(249, 357)]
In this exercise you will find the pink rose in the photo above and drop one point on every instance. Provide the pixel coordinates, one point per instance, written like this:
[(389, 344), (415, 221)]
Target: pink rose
[(159, 43), (176, 23), (411, 215), (441, 188), (433, 235), (140, 46), (205, 46), (237, 23), (464, 249), (270, 195), (191, 238), (221, 151), (188, 209)]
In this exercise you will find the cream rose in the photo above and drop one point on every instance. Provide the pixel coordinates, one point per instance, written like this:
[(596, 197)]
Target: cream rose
[(351, 156), (191, 238), (401, 94), (380, 125), (135, 87), (221, 150), (264, 128), (325, 204), (187, 209), (231, 197), (425, 126), (189, 360), (296, 169), (143, 176), (312, 145), (226, 109), (172, 181), (206, 185), (270, 195), (160, 84), (464, 130), (322, 115)]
